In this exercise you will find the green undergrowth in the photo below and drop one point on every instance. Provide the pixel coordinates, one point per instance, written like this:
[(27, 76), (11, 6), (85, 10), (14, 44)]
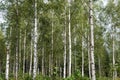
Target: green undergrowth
[(76, 76)]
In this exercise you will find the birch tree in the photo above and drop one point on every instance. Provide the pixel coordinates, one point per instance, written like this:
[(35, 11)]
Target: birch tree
[(89, 58), (82, 53), (64, 69), (8, 57), (31, 55), (17, 44), (7, 64), (113, 53), (24, 53), (35, 42), (92, 40), (69, 27), (43, 62)]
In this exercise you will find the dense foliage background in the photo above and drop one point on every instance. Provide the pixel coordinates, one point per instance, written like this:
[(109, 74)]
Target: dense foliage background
[(17, 37)]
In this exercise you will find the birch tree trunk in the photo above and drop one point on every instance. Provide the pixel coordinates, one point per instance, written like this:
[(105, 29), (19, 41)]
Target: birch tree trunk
[(75, 64), (52, 47), (51, 55), (43, 72), (16, 63), (64, 56), (8, 58), (69, 26), (24, 53), (89, 58), (75, 53), (82, 53), (35, 43), (20, 50), (7, 63), (82, 60), (31, 55), (92, 41), (17, 42), (113, 46)]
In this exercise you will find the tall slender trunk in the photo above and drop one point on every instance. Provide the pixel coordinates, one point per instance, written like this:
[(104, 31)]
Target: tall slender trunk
[(35, 43), (8, 58), (82, 53), (64, 69), (52, 41), (75, 64), (89, 66), (17, 42), (75, 53), (113, 46), (70, 52), (7, 63), (43, 72), (92, 41), (82, 59), (20, 50), (31, 55), (51, 55), (16, 63), (24, 53)]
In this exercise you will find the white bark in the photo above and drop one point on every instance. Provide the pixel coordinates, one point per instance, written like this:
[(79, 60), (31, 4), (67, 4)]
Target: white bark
[(16, 63), (7, 64), (114, 68), (35, 44), (89, 60), (24, 53), (31, 55), (82, 54), (8, 58), (75, 42), (82, 59), (20, 50), (43, 72), (92, 41), (64, 69), (51, 55), (70, 52), (52, 47)]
